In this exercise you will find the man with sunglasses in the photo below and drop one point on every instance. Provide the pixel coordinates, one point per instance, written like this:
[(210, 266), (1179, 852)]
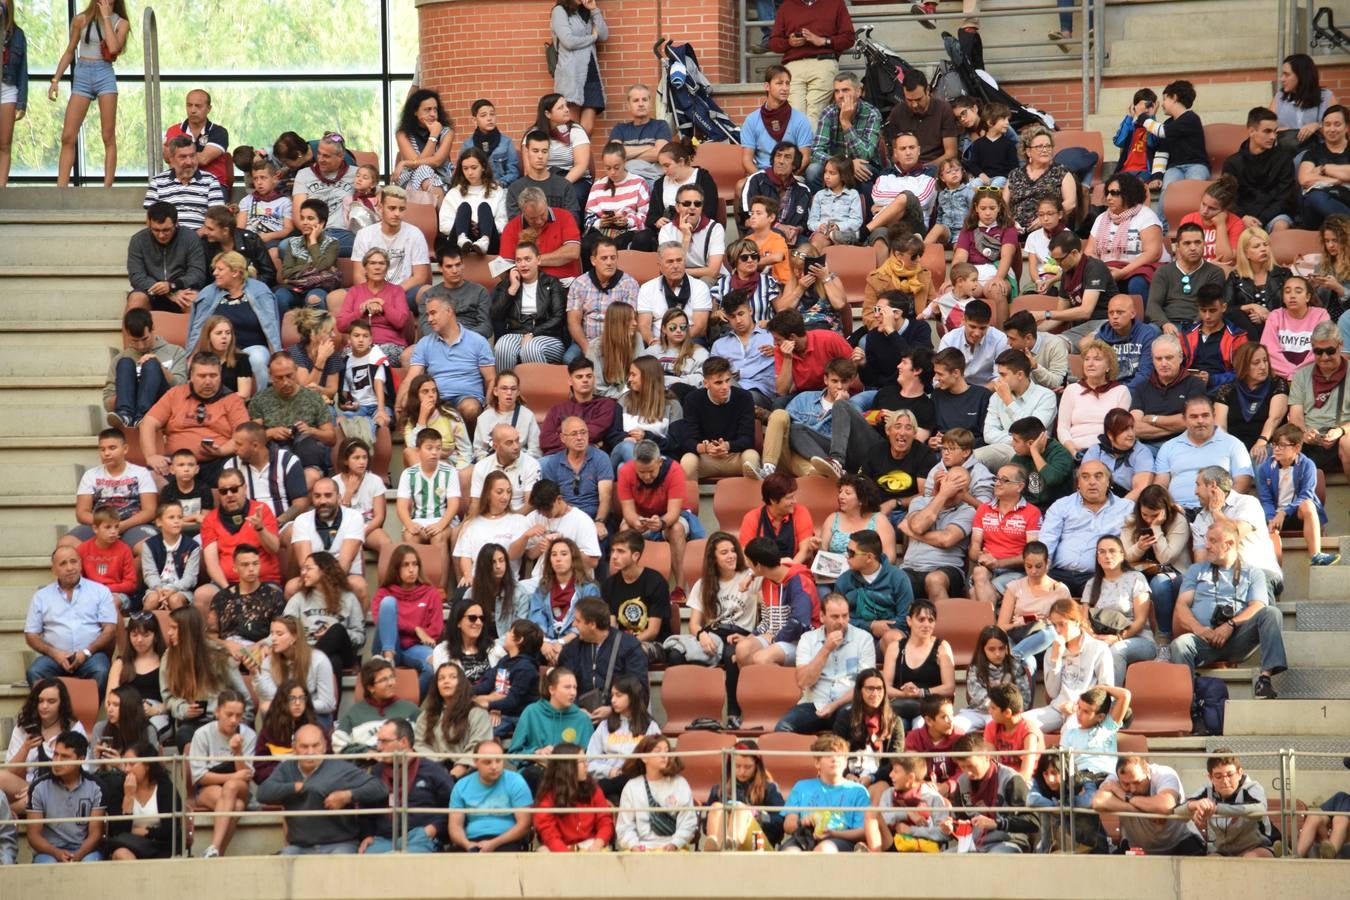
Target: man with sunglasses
[(1176, 285), (703, 239), (1211, 342), (199, 416), (1319, 402)]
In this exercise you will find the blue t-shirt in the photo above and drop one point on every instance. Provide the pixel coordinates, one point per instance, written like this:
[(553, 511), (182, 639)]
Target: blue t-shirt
[(455, 366), (1209, 592), (754, 134), (844, 803), (508, 792), (1100, 739), (653, 131), (579, 488)]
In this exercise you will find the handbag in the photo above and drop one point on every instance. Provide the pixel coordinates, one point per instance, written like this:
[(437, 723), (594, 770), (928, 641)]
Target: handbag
[(320, 279), (1108, 621), (551, 56), (597, 697), (663, 823)]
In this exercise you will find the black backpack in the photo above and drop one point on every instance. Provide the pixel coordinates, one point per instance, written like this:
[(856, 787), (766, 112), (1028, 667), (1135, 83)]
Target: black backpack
[(1208, 698)]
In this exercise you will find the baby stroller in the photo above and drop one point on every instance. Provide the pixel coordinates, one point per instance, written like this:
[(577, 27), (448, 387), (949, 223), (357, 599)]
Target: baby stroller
[(1326, 34), (687, 94), (958, 76), (884, 72)]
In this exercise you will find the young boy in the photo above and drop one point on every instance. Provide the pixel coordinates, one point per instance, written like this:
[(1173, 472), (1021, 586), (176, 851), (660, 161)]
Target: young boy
[(362, 391), (993, 155), (921, 821), (1181, 140), (996, 791), (760, 216), (1229, 812), (363, 206), (789, 606), (1132, 137), (1012, 734), (838, 826), (107, 560), (514, 684), (66, 794), (1047, 462), (267, 211), (1286, 483), (501, 151), (937, 735), (170, 561), (1092, 729), (193, 496), (958, 452), (950, 308), (425, 494), (126, 488)]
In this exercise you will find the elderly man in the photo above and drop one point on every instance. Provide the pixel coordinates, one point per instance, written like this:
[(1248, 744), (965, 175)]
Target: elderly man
[(553, 190), (330, 179), (1201, 444), (491, 786), (520, 468), (1220, 503), (199, 416), (551, 228), (333, 528), (429, 787), (295, 417), (211, 139), (190, 190), (849, 129), (1073, 524), (1131, 340), (651, 493), (1225, 607), (1000, 533), (828, 661), (1159, 403), (272, 474), (71, 624), (303, 782), (583, 473), (938, 529), (165, 263), (601, 415), (672, 289), (1320, 404), (459, 360), (1176, 285), (405, 246)]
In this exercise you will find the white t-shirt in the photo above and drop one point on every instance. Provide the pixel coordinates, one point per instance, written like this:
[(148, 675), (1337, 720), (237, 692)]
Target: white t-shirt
[(703, 245), (573, 524), (529, 297), (734, 606), (481, 530), (406, 249), (560, 155), (122, 492), (351, 526), (524, 472), (363, 372), (1037, 245), (363, 501), (651, 299), (1134, 243)]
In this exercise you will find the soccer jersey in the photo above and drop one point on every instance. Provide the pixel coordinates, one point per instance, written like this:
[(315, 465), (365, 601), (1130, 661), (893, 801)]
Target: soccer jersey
[(429, 493)]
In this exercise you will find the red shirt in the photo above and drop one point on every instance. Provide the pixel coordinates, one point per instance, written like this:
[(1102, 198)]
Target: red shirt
[(1235, 227), (559, 832), (561, 229), (213, 532), (650, 499), (112, 567), (1010, 741), (809, 361), (222, 167), (940, 768), (1005, 536)]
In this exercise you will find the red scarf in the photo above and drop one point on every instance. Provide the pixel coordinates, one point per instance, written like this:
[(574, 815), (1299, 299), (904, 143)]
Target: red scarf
[(776, 121), (563, 135), (560, 599), (1323, 388), (260, 197), (336, 178), (744, 284), (1098, 391)]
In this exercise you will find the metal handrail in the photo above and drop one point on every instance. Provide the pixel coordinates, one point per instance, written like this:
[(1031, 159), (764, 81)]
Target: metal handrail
[(154, 149)]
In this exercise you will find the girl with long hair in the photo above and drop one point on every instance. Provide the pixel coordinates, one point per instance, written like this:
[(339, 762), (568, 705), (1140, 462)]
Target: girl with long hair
[(362, 490), (1288, 330), (492, 522), (506, 405), (681, 359), (466, 642), (617, 734), (1219, 220), (567, 784), (565, 581), (409, 615), (140, 647), (1331, 278), (1116, 600), (655, 781), (424, 408), (235, 372), (1301, 101), (1074, 662), (194, 671), (98, 35), (579, 28), (993, 663), (569, 145), (989, 241), (14, 99), (1157, 539), (473, 214), (722, 603), (735, 822), (616, 207), (871, 727), (495, 589), (426, 138), (286, 655), (647, 411), (123, 726), (330, 613), (46, 712), (614, 350), (450, 722), (291, 708)]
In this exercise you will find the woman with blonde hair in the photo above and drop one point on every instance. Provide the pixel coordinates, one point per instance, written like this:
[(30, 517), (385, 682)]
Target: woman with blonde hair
[(250, 307), (614, 350), (1256, 284), (286, 655), (1085, 403), (681, 359), (318, 362), (1038, 177), (218, 337)]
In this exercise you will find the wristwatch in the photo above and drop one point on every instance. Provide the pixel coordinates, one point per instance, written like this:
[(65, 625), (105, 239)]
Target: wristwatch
[(1047, 315), (1153, 420)]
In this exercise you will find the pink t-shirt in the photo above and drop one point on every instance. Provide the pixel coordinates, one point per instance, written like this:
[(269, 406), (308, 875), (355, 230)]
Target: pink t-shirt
[(1289, 340)]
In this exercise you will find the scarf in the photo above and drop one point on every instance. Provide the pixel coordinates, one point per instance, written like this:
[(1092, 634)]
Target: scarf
[(560, 599), (903, 278), (679, 299), (336, 178), (985, 791), (1156, 380), (776, 121), (744, 284), (785, 537), (235, 522), (260, 197), (1098, 391), (909, 799), (1323, 387), (872, 727), (487, 142), (1071, 282), (1111, 247), (562, 135), (780, 184), (613, 282), (1252, 399)]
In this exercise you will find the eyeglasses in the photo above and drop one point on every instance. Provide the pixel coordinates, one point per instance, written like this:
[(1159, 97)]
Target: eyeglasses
[(1113, 192), (231, 490), (296, 698), (200, 414), (691, 204), (747, 256), (1326, 351), (472, 618), (873, 688), (576, 485), (1040, 148), (1001, 480)]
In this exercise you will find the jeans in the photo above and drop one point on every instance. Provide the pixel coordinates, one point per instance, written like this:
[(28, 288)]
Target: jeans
[(802, 719), (137, 393), (765, 11), (466, 218), (95, 667), (622, 453), (852, 439), (418, 656), (335, 848), (1131, 650), (1317, 205), (1032, 646), (1261, 629), (1164, 588), (42, 858), (345, 239), (417, 842), (258, 355), (287, 299), (1134, 284), (1074, 580)]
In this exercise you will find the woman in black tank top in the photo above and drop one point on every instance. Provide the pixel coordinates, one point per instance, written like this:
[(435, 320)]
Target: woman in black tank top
[(919, 664)]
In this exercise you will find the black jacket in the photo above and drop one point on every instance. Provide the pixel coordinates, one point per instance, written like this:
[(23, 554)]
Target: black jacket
[(1266, 186), (550, 310), (733, 422), (429, 788), (181, 262), (712, 207), (590, 662)]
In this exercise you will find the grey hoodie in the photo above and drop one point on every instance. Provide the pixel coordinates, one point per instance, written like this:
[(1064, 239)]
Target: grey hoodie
[(331, 775), (181, 262)]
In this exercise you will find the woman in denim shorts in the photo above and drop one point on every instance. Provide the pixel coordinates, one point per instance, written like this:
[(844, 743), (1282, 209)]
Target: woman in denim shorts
[(97, 37)]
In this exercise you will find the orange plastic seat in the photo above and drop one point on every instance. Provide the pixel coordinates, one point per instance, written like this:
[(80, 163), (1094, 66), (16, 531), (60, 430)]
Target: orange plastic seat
[(1087, 140), (704, 770), (852, 265), (723, 162), (788, 770), (959, 623), (934, 260), (435, 559), (84, 700), (543, 386), (1288, 245), (1161, 694), (656, 556), (423, 217), (1222, 140), (693, 560), (732, 498), (173, 327), (641, 264), (765, 694), (690, 692), (818, 494), (1182, 199)]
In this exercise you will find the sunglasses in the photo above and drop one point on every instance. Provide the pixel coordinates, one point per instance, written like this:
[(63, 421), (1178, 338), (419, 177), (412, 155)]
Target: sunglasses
[(1113, 192), (850, 553), (988, 189), (691, 204), (745, 257), (677, 326), (472, 618), (1185, 280), (141, 618), (231, 490), (200, 414), (1325, 351)]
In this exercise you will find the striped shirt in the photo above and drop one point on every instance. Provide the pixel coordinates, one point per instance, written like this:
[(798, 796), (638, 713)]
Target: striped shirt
[(629, 199), (191, 199), (429, 494), (279, 483), (761, 301), (892, 183)]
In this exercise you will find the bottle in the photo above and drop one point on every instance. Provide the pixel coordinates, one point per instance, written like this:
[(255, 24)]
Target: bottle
[(759, 842)]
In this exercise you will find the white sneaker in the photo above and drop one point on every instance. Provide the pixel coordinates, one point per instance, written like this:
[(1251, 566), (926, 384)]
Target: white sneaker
[(759, 473), (1165, 653), (828, 467), (210, 852)]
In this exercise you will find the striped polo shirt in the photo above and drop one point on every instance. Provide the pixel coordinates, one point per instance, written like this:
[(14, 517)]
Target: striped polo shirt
[(191, 199), (428, 493)]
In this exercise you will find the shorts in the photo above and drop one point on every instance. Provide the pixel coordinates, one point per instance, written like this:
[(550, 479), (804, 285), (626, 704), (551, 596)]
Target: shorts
[(1339, 802), (456, 399), (1326, 458), (956, 581), (131, 537), (9, 93), (789, 648), (692, 525), (93, 78)]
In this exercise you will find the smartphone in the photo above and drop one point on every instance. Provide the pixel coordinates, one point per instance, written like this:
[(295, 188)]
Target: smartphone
[(208, 442), (809, 262)]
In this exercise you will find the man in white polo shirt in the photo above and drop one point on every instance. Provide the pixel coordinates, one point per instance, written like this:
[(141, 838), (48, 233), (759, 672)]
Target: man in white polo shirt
[(672, 288), (521, 468)]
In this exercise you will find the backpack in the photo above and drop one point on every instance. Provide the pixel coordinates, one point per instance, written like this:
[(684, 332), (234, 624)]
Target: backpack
[(1208, 697)]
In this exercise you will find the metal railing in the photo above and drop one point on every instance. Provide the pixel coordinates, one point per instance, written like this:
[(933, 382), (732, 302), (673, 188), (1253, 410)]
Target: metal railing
[(1286, 817), (154, 148), (1090, 53)]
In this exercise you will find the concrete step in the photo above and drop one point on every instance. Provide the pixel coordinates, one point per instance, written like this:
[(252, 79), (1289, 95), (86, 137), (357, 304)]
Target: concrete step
[(1144, 55), (1313, 682), (108, 330), (1290, 718), (40, 481), (1322, 756), (100, 244), (75, 419), (62, 300), (1330, 617), (1328, 584), (1209, 100), (79, 353), (38, 390), (75, 270), (54, 512), (132, 218), (1170, 20), (1327, 649), (49, 197), (14, 600)]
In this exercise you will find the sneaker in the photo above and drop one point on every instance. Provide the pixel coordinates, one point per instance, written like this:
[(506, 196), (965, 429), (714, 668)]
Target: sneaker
[(924, 10), (757, 472), (210, 852), (1165, 653), (828, 466), (677, 597), (117, 420), (733, 723), (1263, 688), (1325, 559)]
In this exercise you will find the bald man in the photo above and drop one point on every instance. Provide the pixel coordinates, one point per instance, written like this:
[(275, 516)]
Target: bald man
[(71, 624), (521, 468)]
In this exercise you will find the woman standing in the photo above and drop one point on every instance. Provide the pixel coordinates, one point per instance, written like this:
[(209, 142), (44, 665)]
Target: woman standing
[(13, 84), (1157, 538), (97, 37), (1116, 600), (1254, 403), (578, 27), (425, 137)]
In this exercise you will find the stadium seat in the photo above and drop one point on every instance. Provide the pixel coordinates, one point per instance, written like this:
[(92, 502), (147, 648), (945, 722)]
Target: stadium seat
[(935, 260), (84, 700), (788, 770), (818, 494), (423, 217), (690, 692), (367, 158), (1127, 742), (656, 556), (640, 264), (732, 498), (960, 622), (1182, 199), (1076, 366), (765, 693), (347, 269), (1087, 140), (706, 769), (723, 162), (407, 685), (173, 327), (691, 495), (852, 265), (1288, 245), (693, 561), (434, 557), (1160, 698), (1033, 303), (542, 386), (1222, 140), (476, 269)]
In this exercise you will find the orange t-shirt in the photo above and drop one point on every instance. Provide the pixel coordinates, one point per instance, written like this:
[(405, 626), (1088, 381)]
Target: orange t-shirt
[(776, 243), (177, 411)]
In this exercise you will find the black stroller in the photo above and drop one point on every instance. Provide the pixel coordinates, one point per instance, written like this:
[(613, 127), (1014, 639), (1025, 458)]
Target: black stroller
[(687, 94), (959, 76)]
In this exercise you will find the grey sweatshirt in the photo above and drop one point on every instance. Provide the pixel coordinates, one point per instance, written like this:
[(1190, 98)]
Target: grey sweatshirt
[(331, 775)]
